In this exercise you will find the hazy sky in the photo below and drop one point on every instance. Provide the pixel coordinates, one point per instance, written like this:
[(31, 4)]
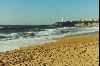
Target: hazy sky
[(35, 12)]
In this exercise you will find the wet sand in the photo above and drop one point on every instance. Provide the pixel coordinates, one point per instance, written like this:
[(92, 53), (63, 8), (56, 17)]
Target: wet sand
[(79, 50)]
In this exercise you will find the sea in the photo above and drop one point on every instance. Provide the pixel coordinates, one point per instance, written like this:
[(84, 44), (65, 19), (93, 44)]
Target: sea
[(16, 36)]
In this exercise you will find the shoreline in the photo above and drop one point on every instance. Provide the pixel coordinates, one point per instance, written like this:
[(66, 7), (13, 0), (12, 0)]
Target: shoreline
[(43, 38), (55, 40), (75, 35), (59, 39), (94, 34), (78, 50)]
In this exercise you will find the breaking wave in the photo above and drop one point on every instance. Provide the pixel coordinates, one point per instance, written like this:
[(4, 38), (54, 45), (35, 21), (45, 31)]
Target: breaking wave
[(48, 32), (13, 40)]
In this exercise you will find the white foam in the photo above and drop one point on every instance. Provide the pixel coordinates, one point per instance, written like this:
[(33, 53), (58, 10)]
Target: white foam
[(22, 42), (44, 37), (49, 32)]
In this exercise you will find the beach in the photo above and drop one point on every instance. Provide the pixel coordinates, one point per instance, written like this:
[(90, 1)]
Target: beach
[(78, 50)]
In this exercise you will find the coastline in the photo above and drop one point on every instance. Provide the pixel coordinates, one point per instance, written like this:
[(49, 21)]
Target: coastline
[(41, 37), (75, 50), (78, 36)]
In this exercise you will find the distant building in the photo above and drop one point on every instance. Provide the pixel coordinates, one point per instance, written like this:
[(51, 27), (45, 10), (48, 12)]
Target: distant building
[(64, 23), (67, 23), (82, 22)]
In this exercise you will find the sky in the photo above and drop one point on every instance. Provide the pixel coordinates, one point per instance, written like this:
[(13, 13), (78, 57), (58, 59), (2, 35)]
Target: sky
[(45, 12)]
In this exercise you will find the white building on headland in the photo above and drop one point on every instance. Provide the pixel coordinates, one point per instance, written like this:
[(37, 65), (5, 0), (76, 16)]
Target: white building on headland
[(62, 19), (89, 19)]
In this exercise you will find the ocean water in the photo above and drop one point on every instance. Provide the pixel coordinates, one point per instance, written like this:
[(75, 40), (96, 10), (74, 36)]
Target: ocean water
[(15, 36)]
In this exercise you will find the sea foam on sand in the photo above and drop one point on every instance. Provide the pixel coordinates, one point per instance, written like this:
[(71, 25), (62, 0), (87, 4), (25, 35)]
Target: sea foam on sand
[(79, 50), (15, 44), (23, 42)]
